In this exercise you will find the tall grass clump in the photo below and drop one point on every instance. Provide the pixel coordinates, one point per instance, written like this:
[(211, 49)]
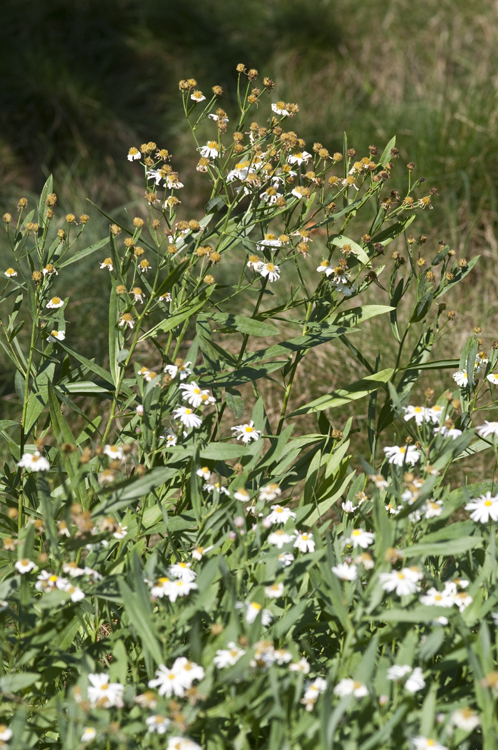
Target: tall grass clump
[(184, 567)]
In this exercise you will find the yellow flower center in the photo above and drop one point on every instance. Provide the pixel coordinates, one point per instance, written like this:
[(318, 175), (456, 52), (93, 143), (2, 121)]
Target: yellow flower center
[(249, 429), (255, 605), (55, 300), (212, 144), (270, 267), (488, 503)]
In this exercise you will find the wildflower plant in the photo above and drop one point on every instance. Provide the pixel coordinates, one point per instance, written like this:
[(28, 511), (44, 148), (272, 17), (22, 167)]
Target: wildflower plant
[(175, 563)]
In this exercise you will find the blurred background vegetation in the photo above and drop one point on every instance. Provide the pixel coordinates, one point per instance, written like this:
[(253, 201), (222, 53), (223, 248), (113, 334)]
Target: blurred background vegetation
[(88, 79)]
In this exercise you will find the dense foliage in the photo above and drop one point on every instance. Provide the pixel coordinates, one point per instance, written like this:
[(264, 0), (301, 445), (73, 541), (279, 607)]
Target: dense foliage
[(175, 562)]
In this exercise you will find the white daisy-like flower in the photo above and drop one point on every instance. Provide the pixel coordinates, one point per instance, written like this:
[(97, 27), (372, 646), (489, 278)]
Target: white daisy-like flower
[(114, 452), (217, 118), (171, 182), (272, 241), (487, 429), (402, 582), (188, 670), (345, 572), (279, 109), (161, 588), (197, 96), (348, 507), (350, 687), (50, 270), (204, 472), (304, 541), (216, 487), (77, 595), (269, 271), (466, 719), (228, 657), (240, 171), (165, 297), (312, 692), (157, 724), (171, 439), (187, 417), (270, 196), (493, 378), (254, 262), (433, 508), (275, 591), (302, 666), (10, 273), (211, 150), (448, 432), (426, 743), (298, 157), (34, 462), (285, 558), (279, 538), (183, 370), (397, 671), (199, 552), (182, 571), (435, 598), (280, 514), (182, 743), (415, 681), (56, 336), (89, 733), (360, 538), (252, 611), (325, 268), (462, 600), (242, 495), (246, 432), (25, 566), (419, 413), (364, 559), (300, 192), (179, 588), (107, 263), (103, 693), (435, 413), (484, 508), (126, 319), (195, 396), (461, 378), (133, 154), (400, 454), (54, 303), (169, 682), (269, 492)]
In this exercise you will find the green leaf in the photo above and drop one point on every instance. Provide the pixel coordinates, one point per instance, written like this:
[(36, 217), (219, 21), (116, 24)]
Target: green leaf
[(48, 188), (171, 279), (247, 326), (386, 154), (113, 335), (222, 451), (339, 240), (357, 315), (104, 374), (11, 683), (327, 504), (241, 375), (453, 547), (140, 619), (300, 343), (390, 233), (83, 253), (418, 614), (342, 396), (176, 318), (235, 402), (438, 364)]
